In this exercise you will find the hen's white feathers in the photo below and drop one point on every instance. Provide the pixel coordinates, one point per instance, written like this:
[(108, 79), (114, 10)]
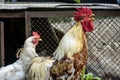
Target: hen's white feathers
[(16, 71), (12, 72)]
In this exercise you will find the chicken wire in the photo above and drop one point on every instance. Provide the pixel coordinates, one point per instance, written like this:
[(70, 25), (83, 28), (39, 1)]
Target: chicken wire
[(103, 42)]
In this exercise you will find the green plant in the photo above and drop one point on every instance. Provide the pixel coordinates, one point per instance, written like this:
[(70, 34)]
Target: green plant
[(88, 76), (78, 1), (83, 73)]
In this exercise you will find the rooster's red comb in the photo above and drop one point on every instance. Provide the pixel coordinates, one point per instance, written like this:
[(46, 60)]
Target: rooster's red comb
[(81, 12), (35, 34)]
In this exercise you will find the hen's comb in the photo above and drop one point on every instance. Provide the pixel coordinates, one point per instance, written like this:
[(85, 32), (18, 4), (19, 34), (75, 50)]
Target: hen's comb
[(81, 12), (35, 34)]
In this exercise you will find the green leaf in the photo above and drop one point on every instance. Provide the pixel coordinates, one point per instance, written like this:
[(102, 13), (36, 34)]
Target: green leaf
[(97, 78), (89, 76), (83, 73), (78, 1)]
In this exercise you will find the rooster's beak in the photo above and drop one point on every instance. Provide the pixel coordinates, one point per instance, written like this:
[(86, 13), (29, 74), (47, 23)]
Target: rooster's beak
[(92, 17)]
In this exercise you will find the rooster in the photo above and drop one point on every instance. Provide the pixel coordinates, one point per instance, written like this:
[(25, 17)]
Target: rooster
[(70, 55), (16, 71)]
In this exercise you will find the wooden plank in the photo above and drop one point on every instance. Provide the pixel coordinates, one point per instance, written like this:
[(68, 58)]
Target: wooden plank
[(50, 13), (2, 58), (107, 12), (12, 14), (70, 13), (27, 24)]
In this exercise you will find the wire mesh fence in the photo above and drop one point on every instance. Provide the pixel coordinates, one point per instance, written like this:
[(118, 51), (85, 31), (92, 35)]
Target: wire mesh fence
[(103, 42), (104, 47)]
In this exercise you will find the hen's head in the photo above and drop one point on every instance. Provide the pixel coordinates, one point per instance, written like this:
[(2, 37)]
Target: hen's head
[(33, 40), (84, 15), (36, 38)]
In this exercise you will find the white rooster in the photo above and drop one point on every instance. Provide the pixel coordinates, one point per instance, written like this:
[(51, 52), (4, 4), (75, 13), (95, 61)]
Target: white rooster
[(17, 70)]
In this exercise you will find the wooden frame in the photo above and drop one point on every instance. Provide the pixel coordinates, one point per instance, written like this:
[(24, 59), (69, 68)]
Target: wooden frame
[(58, 11), (2, 58), (33, 14)]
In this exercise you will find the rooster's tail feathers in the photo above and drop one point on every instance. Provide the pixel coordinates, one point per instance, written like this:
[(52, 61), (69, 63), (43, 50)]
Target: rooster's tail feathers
[(39, 69)]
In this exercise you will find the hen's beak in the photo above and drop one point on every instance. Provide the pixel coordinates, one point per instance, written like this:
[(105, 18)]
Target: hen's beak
[(39, 39)]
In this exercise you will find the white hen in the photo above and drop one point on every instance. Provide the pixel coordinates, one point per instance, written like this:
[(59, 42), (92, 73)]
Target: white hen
[(16, 71)]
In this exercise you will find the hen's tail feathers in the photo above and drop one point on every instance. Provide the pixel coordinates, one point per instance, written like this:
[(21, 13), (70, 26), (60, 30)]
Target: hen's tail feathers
[(38, 69), (19, 52)]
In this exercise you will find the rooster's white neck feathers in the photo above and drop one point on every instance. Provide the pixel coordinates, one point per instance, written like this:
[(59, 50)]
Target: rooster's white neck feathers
[(67, 46)]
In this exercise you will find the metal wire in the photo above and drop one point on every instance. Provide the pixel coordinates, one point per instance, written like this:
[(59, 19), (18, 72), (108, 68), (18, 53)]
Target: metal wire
[(103, 42)]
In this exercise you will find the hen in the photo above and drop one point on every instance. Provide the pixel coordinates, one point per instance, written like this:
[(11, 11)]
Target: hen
[(70, 55), (16, 71)]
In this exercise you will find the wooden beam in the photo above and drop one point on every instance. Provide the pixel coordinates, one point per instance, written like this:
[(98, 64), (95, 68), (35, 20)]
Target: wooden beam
[(111, 13), (12, 14), (27, 24), (50, 13), (2, 58)]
